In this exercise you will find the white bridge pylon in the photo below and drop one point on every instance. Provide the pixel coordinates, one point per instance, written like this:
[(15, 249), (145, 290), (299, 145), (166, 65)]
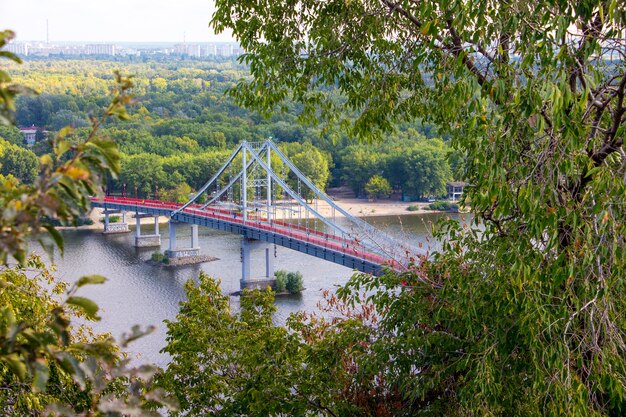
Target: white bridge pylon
[(259, 184)]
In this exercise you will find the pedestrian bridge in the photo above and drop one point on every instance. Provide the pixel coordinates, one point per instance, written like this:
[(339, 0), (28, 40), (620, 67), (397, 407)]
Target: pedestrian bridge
[(267, 206)]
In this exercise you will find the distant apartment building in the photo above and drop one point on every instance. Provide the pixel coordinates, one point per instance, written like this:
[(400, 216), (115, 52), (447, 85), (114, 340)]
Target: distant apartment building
[(206, 50), (18, 48), (224, 49), (100, 49), (211, 49), (188, 49)]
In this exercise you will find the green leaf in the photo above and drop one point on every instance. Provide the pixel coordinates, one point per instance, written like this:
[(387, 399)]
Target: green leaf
[(85, 304), (14, 362), (42, 373), (136, 333), (63, 133), (56, 236), (11, 56), (90, 279), (593, 171), (72, 367), (62, 146)]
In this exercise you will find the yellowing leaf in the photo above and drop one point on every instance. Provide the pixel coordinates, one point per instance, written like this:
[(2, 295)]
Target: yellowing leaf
[(46, 159), (77, 173)]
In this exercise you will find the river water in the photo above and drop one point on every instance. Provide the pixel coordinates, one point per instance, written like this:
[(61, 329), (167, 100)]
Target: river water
[(139, 293)]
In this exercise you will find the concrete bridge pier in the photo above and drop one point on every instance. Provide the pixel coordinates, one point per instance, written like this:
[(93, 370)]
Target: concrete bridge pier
[(173, 251), (111, 228), (248, 246), (145, 241)]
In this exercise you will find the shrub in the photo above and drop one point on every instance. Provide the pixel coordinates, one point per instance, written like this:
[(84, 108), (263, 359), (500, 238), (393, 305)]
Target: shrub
[(413, 207), (81, 221), (112, 219), (294, 283), (443, 206), (281, 281), (158, 256)]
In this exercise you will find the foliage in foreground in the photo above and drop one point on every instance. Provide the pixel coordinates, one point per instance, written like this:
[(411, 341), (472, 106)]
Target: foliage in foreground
[(226, 363), (47, 367), (523, 311)]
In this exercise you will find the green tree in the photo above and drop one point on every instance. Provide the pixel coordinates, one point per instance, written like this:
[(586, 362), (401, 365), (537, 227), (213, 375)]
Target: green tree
[(11, 134), (294, 283), (215, 369), (49, 368), (228, 364), (378, 187), (426, 170), (65, 117), (159, 84), (418, 168), (19, 162), (520, 312), (313, 163), (359, 164), (180, 194), (144, 172)]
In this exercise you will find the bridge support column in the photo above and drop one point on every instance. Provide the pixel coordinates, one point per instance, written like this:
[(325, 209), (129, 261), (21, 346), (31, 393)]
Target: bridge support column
[(146, 241), (194, 236), (269, 261), (111, 228), (175, 253), (172, 232), (245, 262), (248, 246)]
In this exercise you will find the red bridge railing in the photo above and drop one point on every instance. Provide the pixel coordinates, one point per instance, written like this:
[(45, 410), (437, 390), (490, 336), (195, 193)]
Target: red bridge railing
[(280, 227)]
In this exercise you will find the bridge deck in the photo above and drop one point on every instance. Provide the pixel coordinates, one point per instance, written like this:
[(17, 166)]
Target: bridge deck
[(330, 247)]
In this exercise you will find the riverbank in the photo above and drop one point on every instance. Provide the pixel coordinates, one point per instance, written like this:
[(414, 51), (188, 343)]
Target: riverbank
[(366, 208)]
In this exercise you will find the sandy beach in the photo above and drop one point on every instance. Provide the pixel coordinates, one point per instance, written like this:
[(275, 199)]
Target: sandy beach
[(366, 208)]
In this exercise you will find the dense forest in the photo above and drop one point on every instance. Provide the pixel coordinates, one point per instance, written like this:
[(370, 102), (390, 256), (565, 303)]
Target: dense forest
[(182, 127)]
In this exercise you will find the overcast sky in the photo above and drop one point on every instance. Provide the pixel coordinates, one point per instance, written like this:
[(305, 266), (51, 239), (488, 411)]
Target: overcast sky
[(110, 20)]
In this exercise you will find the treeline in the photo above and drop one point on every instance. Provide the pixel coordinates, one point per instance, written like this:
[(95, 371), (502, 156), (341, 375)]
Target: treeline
[(183, 127)]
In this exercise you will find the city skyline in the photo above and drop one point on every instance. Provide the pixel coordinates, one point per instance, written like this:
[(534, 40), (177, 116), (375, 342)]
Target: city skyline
[(110, 21), (188, 49)]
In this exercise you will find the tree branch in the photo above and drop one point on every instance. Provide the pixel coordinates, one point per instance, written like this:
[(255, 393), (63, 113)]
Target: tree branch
[(455, 48)]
